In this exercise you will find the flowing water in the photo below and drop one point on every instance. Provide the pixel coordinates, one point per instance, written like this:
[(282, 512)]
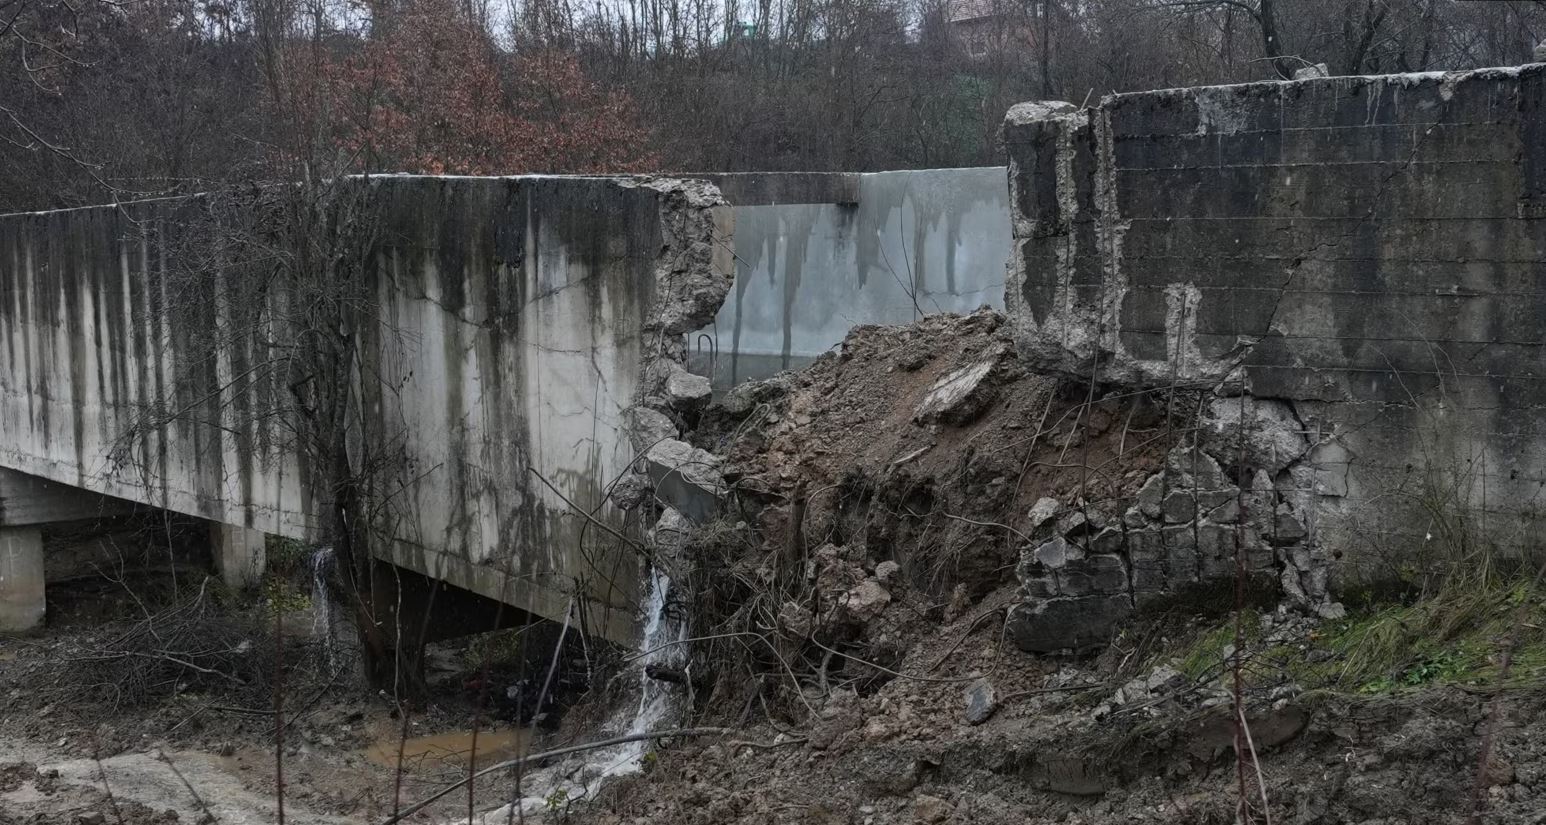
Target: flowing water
[(325, 614), (656, 708)]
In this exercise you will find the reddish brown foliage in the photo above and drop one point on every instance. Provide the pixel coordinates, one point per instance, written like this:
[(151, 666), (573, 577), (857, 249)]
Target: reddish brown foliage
[(429, 93)]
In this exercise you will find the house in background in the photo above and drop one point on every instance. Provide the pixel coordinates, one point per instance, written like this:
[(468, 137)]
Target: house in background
[(991, 28)]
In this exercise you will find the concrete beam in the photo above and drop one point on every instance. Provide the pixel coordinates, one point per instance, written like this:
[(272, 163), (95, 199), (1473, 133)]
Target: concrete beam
[(21, 579), (27, 500), (775, 188), (238, 554)]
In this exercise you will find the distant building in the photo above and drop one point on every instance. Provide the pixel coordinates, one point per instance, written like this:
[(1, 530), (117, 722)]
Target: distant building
[(987, 28)]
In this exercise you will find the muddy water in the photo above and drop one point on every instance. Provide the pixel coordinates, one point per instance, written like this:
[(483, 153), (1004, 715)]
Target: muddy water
[(452, 749)]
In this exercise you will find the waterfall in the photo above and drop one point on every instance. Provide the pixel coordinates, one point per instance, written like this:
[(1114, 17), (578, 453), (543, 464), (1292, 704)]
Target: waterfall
[(321, 563), (580, 779), (656, 700)]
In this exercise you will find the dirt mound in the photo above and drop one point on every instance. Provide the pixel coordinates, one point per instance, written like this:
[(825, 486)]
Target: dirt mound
[(929, 444)]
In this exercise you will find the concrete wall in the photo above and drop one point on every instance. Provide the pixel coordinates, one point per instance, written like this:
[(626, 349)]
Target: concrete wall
[(515, 320), (818, 254), (1363, 255)]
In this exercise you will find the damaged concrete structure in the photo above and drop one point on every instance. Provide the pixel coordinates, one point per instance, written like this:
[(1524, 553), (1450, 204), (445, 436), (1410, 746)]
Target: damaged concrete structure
[(1346, 269), (512, 324)]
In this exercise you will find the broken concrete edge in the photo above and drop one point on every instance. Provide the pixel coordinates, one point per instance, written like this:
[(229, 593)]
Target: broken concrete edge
[(1057, 149), (693, 273)]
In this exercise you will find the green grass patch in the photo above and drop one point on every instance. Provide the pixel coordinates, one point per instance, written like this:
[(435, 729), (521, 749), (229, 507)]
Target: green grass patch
[(1454, 635)]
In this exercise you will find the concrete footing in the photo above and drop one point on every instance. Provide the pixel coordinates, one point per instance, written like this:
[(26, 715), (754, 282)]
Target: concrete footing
[(21, 579), (238, 555)]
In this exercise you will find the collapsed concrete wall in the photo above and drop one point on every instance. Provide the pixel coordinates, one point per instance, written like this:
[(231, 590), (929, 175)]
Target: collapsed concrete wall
[(1348, 269), (517, 320), (818, 254)]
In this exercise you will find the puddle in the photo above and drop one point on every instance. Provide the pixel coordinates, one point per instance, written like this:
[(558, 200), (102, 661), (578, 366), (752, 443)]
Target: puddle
[(451, 749)]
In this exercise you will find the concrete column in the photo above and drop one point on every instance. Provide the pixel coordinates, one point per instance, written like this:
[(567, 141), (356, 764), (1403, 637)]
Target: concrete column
[(238, 555), (21, 579)]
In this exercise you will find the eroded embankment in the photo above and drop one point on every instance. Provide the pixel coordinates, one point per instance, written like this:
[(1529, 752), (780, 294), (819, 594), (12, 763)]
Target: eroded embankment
[(944, 588)]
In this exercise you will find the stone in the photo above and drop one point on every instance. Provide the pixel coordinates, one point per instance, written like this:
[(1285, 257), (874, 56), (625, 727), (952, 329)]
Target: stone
[(1108, 541), (1287, 529), (688, 391), (1265, 433), (865, 601), (1067, 623), (1043, 511), (930, 810), (1150, 496), (1311, 72), (686, 478), (1073, 524), (647, 427), (886, 571), (1038, 587), (630, 491), (961, 395), (1540, 52), (748, 395), (796, 619), (981, 702), (1054, 554), (1096, 574)]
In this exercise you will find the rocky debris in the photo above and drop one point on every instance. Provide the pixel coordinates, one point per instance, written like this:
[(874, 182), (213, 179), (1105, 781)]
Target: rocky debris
[(981, 702), (1067, 624), (630, 491), (686, 478), (1309, 72), (647, 427), (748, 395), (687, 391), (1188, 524), (696, 264), (1264, 433), (1043, 511), (865, 601), (929, 810), (960, 396)]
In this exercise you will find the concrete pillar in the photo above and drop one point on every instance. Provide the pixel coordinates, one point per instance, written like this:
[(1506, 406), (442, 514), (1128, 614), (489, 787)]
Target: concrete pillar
[(21, 579), (238, 555)]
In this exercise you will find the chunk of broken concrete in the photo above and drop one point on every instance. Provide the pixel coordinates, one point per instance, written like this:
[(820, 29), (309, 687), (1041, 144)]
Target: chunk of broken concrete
[(1096, 574), (1043, 511), (961, 395), (1067, 623), (981, 702), (1055, 553), (747, 395), (1264, 432), (647, 427), (686, 478), (688, 391)]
